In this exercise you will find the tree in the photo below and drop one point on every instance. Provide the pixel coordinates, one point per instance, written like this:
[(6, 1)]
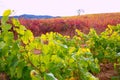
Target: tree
[(79, 11)]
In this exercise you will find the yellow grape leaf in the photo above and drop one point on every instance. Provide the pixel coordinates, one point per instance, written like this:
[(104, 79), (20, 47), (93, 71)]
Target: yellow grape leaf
[(28, 37), (71, 50), (7, 12), (72, 78)]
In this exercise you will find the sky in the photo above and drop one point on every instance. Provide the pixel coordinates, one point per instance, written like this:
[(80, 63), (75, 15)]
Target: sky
[(59, 7)]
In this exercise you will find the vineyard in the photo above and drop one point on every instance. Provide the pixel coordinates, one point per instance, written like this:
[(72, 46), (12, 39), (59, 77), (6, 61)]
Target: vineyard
[(67, 25), (28, 54)]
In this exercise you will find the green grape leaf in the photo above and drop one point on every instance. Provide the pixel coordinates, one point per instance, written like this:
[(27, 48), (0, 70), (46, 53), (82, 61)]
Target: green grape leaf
[(94, 68), (8, 37), (4, 19), (2, 44), (35, 78), (15, 48), (19, 69), (118, 54), (50, 76), (12, 71), (6, 27)]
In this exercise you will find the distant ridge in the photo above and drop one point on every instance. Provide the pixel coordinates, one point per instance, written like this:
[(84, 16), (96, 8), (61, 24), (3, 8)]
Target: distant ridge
[(29, 16)]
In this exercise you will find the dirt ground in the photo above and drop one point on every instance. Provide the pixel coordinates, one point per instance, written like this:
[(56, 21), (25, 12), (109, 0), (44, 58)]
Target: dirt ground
[(3, 76), (107, 72)]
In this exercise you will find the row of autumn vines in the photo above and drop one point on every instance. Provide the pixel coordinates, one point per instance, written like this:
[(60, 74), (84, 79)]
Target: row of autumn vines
[(67, 25), (53, 56)]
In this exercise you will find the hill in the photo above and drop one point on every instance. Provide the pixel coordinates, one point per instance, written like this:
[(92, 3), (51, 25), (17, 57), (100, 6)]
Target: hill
[(29, 16)]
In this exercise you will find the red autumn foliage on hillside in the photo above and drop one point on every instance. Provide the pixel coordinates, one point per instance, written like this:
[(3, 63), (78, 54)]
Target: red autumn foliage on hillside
[(67, 25)]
